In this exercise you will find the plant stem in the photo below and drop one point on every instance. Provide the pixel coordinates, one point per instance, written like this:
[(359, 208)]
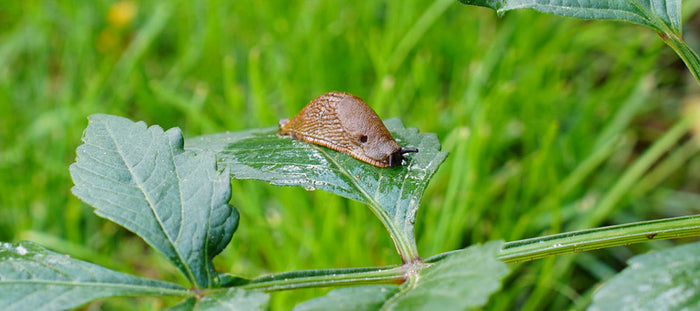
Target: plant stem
[(404, 241), (330, 277), (513, 252), (688, 56), (604, 237), (597, 238)]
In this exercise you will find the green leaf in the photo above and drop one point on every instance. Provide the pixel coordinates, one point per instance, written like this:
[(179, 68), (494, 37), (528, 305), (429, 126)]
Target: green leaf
[(142, 179), (234, 299), (660, 15), (663, 280), (361, 298), (184, 305), (230, 299), (34, 278), (462, 280), (393, 194)]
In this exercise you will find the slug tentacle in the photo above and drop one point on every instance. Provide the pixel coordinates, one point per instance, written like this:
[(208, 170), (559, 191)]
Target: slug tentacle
[(345, 123)]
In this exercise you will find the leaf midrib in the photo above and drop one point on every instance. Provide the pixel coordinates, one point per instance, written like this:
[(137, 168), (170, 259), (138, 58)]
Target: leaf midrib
[(184, 264), (344, 172), (149, 288)]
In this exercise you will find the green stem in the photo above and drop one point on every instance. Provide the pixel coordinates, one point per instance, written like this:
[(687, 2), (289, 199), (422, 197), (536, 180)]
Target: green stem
[(513, 252), (330, 277), (605, 237), (411, 283), (688, 56), (590, 239), (404, 241)]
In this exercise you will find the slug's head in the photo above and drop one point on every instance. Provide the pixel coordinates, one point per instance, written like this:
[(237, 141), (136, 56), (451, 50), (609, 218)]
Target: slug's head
[(396, 158), (372, 141)]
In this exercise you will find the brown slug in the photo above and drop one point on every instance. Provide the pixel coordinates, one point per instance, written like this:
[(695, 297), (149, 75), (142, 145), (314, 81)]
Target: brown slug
[(345, 123)]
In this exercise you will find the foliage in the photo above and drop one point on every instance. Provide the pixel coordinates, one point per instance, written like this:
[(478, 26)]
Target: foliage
[(663, 280), (664, 17), (658, 15), (523, 163), (143, 180), (34, 278), (462, 280), (175, 199), (392, 194)]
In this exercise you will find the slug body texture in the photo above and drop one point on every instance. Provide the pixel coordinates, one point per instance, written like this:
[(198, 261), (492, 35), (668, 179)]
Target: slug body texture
[(345, 123)]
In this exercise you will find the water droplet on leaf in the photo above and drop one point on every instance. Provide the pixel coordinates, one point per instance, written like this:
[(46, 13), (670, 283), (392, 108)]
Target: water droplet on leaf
[(21, 250)]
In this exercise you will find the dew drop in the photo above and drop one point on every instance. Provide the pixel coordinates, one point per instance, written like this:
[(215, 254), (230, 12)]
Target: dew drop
[(21, 250), (309, 188)]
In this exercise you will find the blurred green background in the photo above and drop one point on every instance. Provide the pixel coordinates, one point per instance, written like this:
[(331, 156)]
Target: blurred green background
[(541, 115)]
